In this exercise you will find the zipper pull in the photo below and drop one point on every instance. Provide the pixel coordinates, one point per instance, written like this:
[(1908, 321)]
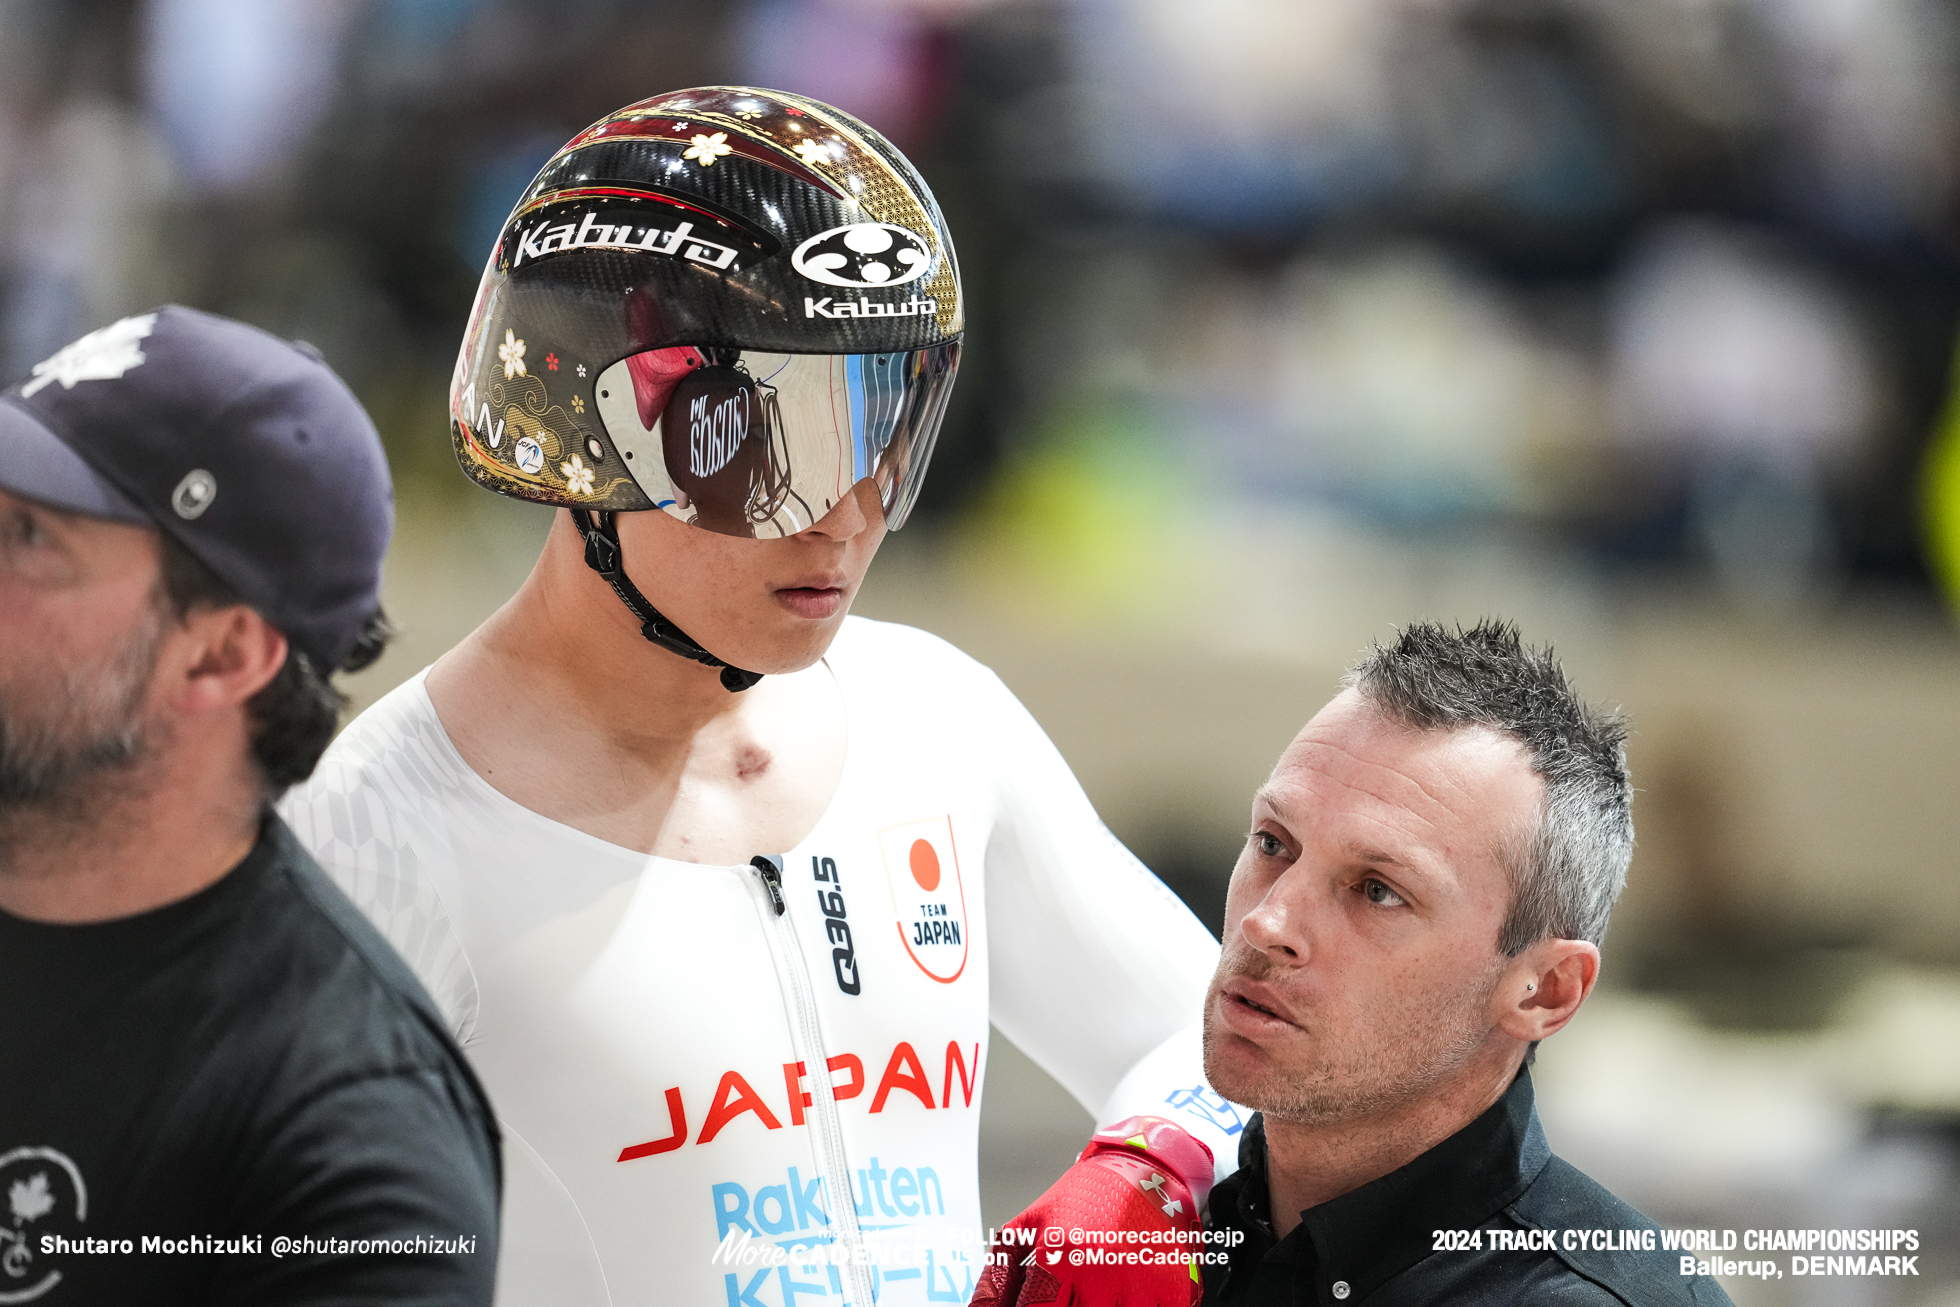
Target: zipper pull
[(772, 879)]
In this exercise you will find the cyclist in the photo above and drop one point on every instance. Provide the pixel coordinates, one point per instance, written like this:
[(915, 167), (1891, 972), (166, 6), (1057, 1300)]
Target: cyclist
[(718, 887)]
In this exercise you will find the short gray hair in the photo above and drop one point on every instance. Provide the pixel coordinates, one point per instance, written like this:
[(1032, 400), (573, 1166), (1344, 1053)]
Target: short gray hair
[(1567, 873)]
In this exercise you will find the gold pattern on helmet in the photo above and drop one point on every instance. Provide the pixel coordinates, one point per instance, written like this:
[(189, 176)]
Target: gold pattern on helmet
[(807, 138), (546, 452)]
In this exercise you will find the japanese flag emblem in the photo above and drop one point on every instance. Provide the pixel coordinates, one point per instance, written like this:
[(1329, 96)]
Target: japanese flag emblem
[(922, 868)]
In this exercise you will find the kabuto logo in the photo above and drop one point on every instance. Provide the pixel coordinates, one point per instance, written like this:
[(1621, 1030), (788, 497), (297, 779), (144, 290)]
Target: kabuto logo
[(660, 227), (917, 306), (46, 1200), (863, 254)]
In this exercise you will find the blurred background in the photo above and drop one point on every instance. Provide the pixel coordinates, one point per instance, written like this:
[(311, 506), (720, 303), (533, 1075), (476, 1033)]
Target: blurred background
[(1290, 321)]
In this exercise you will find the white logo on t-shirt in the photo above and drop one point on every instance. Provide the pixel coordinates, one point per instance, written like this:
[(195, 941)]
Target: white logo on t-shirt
[(44, 1188)]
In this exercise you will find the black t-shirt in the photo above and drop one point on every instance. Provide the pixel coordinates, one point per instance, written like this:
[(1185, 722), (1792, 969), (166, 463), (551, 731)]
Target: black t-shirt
[(182, 1088)]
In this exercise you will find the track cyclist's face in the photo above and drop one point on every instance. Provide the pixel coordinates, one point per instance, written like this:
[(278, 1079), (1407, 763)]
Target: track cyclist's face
[(770, 606), (78, 649), (1360, 969)]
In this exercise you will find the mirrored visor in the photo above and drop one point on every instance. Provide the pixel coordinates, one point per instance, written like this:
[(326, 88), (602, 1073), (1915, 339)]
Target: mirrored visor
[(754, 444)]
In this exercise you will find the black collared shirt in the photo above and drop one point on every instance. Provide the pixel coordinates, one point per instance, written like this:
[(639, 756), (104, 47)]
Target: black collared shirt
[(1392, 1242)]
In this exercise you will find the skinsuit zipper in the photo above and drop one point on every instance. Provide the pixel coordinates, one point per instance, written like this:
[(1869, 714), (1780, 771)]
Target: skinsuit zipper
[(808, 1041)]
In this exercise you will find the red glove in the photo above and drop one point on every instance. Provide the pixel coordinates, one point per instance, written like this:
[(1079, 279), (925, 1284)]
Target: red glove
[(1117, 1230)]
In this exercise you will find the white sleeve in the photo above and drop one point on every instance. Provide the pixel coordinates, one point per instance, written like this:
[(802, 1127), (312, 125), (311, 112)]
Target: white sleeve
[(1099, 970), (1170, 1082), (350, 828)]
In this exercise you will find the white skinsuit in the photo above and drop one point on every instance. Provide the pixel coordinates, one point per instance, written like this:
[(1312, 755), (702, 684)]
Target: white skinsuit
[(654, 1034)]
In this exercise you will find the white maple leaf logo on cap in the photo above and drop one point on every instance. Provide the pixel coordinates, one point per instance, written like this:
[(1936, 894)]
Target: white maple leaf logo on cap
[(102, 355)]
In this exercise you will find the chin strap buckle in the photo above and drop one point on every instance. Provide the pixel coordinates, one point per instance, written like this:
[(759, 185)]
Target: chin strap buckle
[(601, 544), (603, 555)]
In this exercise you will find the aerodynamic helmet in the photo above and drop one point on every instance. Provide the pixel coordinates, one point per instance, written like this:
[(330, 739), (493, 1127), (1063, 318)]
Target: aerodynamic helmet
[(725, 303)]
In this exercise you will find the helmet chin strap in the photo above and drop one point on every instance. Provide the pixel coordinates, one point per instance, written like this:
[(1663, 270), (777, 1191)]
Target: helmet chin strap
[(604, 556)]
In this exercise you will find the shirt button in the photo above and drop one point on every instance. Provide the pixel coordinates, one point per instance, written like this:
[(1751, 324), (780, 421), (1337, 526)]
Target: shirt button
[(1341, 1289)]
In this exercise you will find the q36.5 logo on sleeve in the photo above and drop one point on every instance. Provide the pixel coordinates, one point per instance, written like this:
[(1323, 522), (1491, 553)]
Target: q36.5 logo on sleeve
[(863, 254)]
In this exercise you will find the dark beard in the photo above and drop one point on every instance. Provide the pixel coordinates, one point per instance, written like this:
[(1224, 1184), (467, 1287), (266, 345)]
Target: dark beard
[(90, 726)]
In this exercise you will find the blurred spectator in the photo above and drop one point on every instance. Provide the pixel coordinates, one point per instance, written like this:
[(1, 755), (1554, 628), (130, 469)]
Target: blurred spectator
[(884, 62), (1748, 372), (236, 85)]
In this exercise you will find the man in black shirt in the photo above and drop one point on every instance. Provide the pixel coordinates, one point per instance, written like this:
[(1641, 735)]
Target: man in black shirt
[(218, 1085), (1430, 870)]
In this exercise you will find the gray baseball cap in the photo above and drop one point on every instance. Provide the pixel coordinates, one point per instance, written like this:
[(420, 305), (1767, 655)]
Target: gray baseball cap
[(245, 448)]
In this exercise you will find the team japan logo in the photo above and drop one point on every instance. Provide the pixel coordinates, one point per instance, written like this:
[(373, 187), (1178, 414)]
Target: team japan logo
[(863, 254), (923, 869)]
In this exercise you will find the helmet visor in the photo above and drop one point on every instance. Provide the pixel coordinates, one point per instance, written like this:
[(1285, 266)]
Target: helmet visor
[(762, 445)]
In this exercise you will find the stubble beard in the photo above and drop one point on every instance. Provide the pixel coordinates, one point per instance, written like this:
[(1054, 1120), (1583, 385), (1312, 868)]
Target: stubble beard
[(1376, 1072), (62, 740)]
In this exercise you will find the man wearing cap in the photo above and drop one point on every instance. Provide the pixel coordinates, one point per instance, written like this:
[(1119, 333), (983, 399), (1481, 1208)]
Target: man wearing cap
[(217, 1083)]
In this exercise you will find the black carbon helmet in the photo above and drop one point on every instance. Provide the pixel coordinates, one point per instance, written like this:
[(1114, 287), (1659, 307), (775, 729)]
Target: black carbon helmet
[(731, 304)]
